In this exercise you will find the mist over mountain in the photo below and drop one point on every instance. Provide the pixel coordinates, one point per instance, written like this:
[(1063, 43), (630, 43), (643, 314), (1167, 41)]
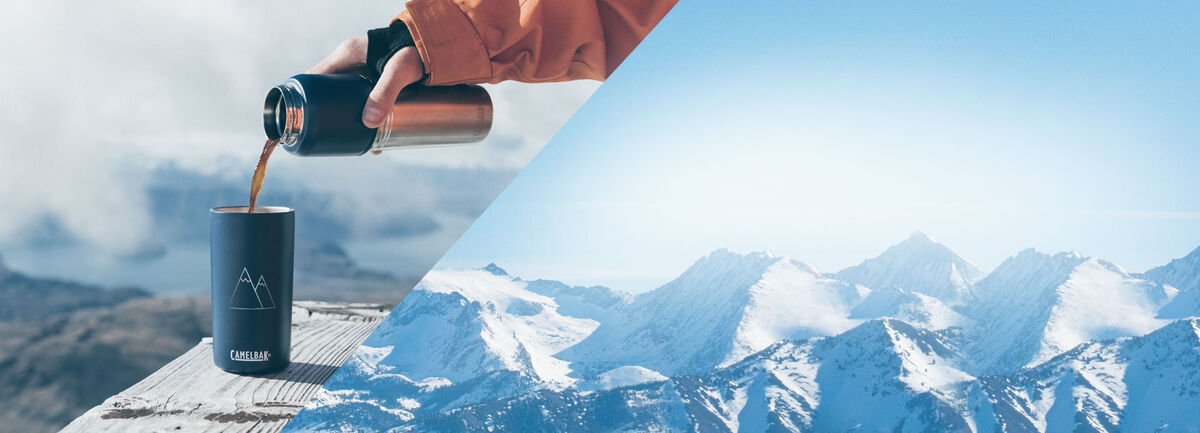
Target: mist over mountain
[(191, 102), (755, 342), (27, 298)]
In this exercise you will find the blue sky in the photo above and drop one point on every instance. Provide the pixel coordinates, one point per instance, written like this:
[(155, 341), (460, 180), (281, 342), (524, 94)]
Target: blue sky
[(827, 132)]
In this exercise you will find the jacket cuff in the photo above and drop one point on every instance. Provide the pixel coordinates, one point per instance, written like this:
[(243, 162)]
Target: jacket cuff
[(383, 43), (378, 44), (448, 43)]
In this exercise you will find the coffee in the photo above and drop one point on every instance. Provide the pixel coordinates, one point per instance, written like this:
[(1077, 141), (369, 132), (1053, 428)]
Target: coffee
[(260, 171)]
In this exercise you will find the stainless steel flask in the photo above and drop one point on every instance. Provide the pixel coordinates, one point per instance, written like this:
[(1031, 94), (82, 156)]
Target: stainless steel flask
[(321, 115)]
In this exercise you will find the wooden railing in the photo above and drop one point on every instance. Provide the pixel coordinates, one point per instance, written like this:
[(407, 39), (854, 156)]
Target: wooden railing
[(191, 394)]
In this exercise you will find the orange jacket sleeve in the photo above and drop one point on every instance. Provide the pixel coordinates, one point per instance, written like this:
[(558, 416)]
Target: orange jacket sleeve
[(488, 41)]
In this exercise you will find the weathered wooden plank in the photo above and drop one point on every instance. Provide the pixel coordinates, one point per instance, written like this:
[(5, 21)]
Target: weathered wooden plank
[(191, 394)]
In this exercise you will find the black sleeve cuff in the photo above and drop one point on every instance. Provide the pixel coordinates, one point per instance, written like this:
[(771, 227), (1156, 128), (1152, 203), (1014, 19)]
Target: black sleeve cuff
[(383, 42)]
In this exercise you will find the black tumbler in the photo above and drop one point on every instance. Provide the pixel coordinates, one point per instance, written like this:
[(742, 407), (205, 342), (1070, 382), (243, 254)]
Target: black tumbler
[(252, 256)]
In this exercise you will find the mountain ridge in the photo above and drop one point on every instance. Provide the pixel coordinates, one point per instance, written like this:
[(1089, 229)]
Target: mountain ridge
[(1035, 305), (918, 264), (756, 342), (738, 298)]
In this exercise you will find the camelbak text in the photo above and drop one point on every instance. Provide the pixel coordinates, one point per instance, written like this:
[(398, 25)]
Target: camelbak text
[(249, 355)]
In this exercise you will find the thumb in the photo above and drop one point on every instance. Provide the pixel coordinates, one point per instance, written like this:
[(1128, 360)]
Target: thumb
[(402, 69)]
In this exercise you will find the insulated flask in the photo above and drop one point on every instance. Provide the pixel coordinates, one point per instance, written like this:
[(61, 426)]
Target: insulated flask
[(252, 256), (321, 115)]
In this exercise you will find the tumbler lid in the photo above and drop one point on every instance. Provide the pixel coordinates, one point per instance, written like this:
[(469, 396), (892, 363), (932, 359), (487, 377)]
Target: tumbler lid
[(257, 209)]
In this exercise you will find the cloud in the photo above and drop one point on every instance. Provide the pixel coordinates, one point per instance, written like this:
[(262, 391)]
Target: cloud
[(99, 95)]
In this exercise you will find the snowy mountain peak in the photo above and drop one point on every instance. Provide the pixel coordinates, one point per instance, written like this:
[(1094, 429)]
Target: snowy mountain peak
[(898, 335), (1035, 306), (911, 307), (1030, 261), (754, 342), (724, 259), (1108, 265), (470, 323), (727, 270), (1182, 273), (598, 303), (723, 308), (1061, 256), (920, 265), (495, 270), (919, 237)]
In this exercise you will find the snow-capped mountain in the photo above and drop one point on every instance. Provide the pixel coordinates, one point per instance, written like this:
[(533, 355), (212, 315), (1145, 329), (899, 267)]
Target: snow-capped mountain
[(1185, 304), (461, 338), (596, 302), (918, 265), (754, 342), (462, 324), (1182, 273), (724, 307), (1035, 306), (884, 375), (1140, 384), (915, 308)]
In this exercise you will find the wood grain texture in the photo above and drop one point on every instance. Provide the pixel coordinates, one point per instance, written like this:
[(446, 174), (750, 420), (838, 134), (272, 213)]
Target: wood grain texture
[(191, 394)]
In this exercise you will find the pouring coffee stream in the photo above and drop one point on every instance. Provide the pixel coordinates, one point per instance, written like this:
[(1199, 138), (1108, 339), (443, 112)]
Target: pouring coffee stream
[(321, 115), (260, 172)]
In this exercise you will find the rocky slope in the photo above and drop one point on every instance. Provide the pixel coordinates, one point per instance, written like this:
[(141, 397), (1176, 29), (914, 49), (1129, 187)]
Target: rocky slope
[(70, 345)]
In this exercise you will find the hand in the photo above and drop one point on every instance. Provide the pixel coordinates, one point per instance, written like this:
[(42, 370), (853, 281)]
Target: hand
[(404, 68)]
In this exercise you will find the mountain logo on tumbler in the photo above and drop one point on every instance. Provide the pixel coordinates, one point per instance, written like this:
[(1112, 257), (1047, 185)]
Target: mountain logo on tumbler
[(250, 296)]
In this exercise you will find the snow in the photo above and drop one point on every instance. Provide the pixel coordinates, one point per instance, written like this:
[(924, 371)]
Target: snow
[(1182, 273), (919, 265), (1035, 306), (368, 357), (1100, 301), (628, 375), (723, 308), (792, 301), (464, 323), (596, 302), (915, 308), (1128, 384), (756, 342), (1185, 304)]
